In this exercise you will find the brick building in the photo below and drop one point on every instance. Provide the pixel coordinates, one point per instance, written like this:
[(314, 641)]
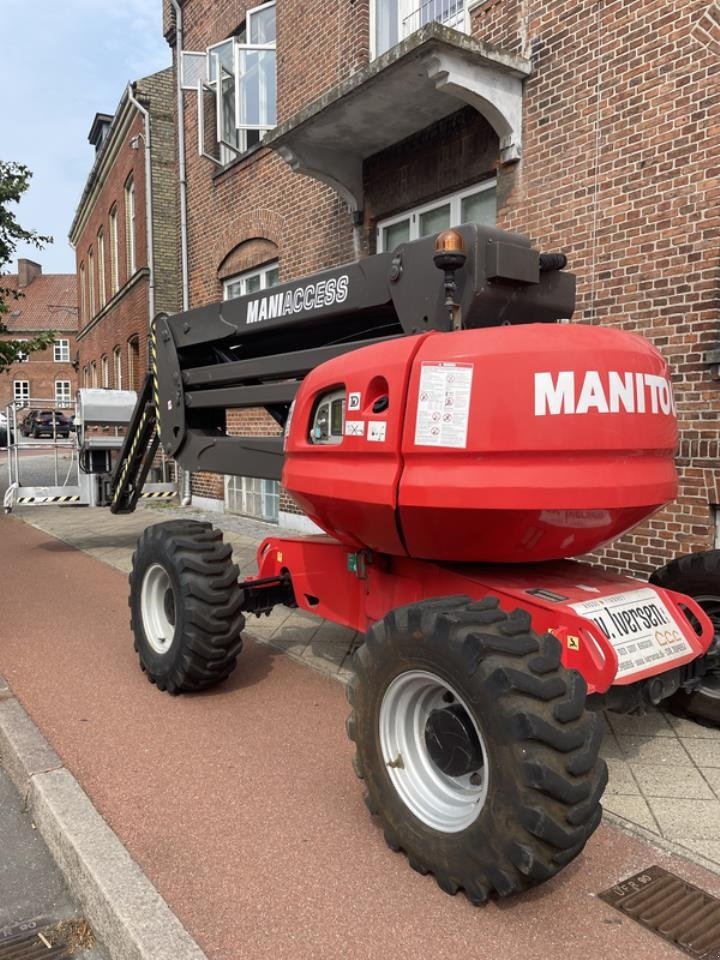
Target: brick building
[(330, 132), (45, 378), (126, 272)]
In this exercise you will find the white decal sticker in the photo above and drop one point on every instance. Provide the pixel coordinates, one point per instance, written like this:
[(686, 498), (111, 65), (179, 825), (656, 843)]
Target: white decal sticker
[(354, 428), (613, 392), (376, 430), (443, 405), (640, 627), (354, 401)]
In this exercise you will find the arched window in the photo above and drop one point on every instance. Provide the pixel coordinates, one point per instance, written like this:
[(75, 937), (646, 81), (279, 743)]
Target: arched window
[(117, 367)]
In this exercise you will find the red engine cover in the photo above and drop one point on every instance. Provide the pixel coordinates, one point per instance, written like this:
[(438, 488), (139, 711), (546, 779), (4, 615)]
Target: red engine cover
[(504, 444)]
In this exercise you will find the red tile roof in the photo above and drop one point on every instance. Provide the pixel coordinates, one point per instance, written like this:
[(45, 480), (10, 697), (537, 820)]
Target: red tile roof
[(49, 303)]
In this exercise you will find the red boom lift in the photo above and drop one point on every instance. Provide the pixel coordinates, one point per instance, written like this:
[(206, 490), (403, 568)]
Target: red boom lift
[(459, 441)]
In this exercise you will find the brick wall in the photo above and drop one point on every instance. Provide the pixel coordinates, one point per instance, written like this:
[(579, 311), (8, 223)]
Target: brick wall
[(619, 169), (39, 369), (123, 320)]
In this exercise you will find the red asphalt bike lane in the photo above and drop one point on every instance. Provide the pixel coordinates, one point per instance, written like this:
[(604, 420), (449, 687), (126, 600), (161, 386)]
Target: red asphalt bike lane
[(241, 806)]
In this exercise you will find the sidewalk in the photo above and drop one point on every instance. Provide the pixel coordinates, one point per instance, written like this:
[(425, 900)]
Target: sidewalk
[(240, 804), (664, 770)]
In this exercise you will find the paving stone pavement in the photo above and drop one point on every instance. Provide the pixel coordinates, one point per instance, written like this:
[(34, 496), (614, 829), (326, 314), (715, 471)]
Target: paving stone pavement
[(664, 770)]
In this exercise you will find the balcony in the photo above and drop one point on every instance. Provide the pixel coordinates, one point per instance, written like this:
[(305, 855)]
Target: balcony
[(431, 74)]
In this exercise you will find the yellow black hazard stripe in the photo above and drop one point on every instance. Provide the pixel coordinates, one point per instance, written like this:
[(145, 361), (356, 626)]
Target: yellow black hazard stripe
[(73, 499), (158, 495), (153, 372), (131, 454)]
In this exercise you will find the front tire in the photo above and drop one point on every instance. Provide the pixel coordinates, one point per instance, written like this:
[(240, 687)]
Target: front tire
[(698, 576), (475, 746), (185, 605)]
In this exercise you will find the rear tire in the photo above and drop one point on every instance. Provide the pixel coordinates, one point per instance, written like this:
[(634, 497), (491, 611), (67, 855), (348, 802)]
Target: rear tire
[(698, 576), (491, 779), (185, 606)]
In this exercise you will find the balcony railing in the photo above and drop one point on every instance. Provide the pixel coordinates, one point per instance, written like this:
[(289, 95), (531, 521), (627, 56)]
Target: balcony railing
[(451, 13)]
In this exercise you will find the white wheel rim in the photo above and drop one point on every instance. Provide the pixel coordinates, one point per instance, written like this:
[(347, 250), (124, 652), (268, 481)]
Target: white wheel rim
[(157, 603), (447, 804)]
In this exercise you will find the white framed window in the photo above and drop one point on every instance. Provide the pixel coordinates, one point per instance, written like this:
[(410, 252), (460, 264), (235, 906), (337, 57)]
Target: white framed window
[(117, 367), (102, 286), (21, 391), (23, 356), (91, 282), (250, 281), (242, 78), (62, 393), (473, 205), (93, 374), (114, 278), (104, 372), (130, 225), (83, 294), (253, 497), (392, 21), (61, 351)]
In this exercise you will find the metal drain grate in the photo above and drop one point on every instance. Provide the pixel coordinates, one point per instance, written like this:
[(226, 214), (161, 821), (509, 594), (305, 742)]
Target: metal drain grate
[(46, 939), (674, 909)]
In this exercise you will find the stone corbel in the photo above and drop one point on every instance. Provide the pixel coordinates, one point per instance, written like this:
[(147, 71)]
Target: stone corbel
[(493, 92), (342, 171)]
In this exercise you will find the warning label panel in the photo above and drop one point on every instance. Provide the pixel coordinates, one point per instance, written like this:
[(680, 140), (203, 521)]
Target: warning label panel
[(443, 405)]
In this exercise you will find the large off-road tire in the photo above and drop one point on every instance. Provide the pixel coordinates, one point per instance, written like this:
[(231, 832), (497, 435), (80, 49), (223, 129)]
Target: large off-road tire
[(185, 606), (475, 746), (698, 576)]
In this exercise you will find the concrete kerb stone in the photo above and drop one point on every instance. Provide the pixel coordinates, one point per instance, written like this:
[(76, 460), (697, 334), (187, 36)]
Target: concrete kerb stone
[(126, 912)]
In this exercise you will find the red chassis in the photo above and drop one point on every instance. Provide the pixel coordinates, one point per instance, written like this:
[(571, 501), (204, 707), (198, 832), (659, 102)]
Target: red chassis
[(613, 629)]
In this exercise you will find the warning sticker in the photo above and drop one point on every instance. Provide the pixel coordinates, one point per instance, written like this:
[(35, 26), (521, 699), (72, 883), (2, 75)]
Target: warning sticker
[(376, 430), (443, 405), (354, 428), (639, 626)]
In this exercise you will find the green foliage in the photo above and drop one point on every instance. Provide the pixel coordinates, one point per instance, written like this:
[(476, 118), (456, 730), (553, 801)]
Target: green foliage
[(14, 181)]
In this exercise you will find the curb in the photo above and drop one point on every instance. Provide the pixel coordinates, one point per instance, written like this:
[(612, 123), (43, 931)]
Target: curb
[(128, 915)]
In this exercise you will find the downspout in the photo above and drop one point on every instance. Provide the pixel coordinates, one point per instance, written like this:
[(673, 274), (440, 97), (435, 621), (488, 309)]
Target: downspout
[(181, 154), (148, 203)]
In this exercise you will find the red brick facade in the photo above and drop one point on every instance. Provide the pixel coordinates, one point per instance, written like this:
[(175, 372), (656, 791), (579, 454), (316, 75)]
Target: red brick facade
[(116, 324), (47, 302), (621, 134)]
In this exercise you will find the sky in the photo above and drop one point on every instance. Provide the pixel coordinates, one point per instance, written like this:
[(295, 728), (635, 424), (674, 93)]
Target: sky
[(63, 62)]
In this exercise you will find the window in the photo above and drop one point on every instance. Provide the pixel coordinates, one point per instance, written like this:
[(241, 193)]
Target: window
[(391, 21), (251, 281), (114, 282), (474, 205), (253, 497), (21, 392), (104, 373), (62, 393), (102, 287), (130, 225), (91, 282), (241, 74), (133, 364), (83, 294), (117, 364), (86, 376), (61, 351), (93, 374), (23, 356)]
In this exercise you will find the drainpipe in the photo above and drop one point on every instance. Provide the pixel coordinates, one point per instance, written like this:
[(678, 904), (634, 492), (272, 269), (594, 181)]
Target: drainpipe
[(181, 154), (148, 202)]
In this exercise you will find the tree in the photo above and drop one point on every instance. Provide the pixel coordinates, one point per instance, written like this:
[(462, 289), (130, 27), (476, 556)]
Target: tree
[(14, 181)]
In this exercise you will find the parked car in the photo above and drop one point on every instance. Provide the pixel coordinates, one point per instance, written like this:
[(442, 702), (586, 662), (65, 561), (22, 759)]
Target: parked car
[(49, 423)]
